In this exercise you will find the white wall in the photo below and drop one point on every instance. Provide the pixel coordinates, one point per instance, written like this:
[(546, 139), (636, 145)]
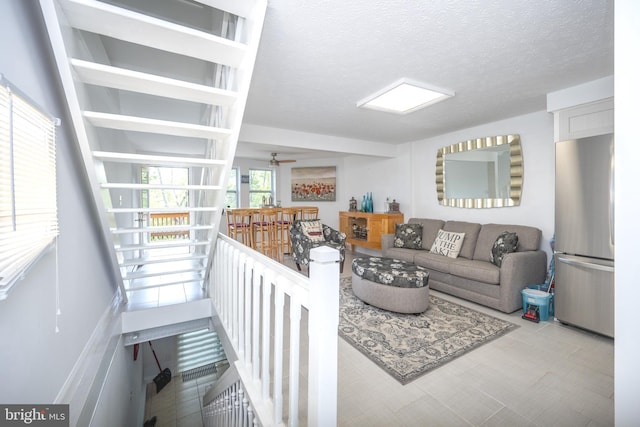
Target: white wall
[(124, 384), (327, 211), (385, 178), (537, 203), (627, 346), (409, 178), (35, 360)]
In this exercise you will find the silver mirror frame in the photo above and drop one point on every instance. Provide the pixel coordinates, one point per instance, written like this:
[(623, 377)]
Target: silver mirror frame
[(517, 172)]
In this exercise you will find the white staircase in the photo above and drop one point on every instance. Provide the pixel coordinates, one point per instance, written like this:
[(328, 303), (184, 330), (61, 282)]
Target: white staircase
[(161, 84)]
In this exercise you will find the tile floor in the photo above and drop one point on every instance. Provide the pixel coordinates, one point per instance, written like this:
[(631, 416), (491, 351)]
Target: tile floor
[(544, 374), (541, 374), (188, 288), (179, 404)]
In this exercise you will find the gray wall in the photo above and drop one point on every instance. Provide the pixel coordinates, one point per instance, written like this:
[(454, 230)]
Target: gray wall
[(35, 360)]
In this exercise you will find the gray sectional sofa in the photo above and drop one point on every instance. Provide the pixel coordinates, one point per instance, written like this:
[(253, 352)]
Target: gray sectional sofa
[(472, 275)]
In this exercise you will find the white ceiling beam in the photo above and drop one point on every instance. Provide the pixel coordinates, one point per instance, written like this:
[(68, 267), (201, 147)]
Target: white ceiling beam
[(312, 141)]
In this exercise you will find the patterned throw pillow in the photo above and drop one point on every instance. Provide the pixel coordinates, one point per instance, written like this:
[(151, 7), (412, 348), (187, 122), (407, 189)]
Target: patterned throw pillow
[(313, 230), (408, 236), (448, 243), (506, 242)]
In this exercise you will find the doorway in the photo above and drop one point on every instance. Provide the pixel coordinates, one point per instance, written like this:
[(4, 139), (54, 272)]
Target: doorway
[(166, 194)]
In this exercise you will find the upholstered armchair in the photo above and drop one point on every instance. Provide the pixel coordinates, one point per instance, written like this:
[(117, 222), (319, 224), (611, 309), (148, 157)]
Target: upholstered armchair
[(308, 234)]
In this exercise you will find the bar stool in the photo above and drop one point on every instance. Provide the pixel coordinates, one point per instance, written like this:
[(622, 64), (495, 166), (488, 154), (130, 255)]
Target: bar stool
[(307, 212), (264, 227), (239, 225), (286, 216)]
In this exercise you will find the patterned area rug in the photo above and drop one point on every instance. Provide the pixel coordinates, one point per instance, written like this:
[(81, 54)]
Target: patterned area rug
[(409, 345)]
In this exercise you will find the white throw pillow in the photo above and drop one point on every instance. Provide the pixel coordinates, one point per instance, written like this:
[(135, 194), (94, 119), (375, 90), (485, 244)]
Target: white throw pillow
[(448, 243), (313, 230)]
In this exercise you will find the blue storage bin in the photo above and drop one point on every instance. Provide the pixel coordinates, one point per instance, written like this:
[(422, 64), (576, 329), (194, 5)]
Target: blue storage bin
[(536, 297), (544, 288)]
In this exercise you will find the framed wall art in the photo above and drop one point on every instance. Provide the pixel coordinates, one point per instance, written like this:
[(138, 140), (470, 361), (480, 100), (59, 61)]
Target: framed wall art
[(313, 184)]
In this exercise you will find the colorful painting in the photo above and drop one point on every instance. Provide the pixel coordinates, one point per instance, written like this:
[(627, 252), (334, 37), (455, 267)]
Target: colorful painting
[(313, 184)]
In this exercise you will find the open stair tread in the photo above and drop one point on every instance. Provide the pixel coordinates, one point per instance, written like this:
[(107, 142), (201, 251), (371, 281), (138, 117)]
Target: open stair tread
[(175, 244), (156, 159), (163, 284), (164, 210), (160, 229), (144, 124), (147, 261), (123, 24), (166, 272), (160, 186), (152, 84)]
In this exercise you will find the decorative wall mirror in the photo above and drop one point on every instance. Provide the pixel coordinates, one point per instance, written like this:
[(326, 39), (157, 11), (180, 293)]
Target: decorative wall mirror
[(480, 173)]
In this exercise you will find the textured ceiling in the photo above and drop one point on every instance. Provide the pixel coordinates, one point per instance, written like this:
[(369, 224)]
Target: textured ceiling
[(500, 57)]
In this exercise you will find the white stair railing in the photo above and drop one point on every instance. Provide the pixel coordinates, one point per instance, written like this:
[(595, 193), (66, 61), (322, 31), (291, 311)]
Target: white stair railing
[(230, 407), (257, 301)]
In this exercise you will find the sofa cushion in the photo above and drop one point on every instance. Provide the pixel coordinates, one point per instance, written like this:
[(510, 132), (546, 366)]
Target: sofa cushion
[(434, 262), (401, 253), (312, 229), (476, 270), (528, 239), (448, 244), (506, 242), (408, 236), (470, 230), (430, 228)]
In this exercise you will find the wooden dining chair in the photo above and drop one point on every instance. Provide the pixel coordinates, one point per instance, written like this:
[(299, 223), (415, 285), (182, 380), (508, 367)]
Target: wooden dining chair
[(307, 212), (239, 225), (264, 228), (286, 216)]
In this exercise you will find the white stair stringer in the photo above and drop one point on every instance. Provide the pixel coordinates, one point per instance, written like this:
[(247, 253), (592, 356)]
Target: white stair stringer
[(135, 87)]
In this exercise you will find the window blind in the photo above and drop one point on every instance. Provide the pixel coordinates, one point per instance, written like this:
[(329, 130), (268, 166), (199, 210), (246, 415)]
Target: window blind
[(28, 199)]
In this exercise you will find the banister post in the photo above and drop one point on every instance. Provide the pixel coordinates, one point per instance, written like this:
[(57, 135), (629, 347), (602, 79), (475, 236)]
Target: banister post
[(324, 275)]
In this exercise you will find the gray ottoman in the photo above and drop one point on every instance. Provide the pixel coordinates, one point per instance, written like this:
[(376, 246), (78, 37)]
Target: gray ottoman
[(391, 284)]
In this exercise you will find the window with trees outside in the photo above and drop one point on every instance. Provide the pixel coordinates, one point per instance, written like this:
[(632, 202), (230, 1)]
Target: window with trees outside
[(261, 185), (28, 197), (159, 198)]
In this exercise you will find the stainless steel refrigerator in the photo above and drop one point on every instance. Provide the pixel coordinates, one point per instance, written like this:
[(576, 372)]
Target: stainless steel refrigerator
[(584, 227)]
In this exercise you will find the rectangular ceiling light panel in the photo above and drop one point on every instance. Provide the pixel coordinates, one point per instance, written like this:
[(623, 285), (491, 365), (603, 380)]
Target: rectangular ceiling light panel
[(405, 96)]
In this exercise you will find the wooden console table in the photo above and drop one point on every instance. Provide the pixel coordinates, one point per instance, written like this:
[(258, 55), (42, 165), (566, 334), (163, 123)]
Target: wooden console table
[(364, 229)]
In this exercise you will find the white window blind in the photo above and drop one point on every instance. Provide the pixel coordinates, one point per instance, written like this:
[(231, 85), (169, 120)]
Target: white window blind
[(28, 201)]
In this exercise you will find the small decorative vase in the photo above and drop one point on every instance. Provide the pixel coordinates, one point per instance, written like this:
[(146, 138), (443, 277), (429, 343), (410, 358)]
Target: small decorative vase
[(353, 205)]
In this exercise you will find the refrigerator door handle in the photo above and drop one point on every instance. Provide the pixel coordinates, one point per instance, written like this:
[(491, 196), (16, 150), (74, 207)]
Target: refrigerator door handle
[(577, 262)]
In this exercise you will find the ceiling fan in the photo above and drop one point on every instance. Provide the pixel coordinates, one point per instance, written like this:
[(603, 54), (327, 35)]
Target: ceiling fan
[(276, 162)]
